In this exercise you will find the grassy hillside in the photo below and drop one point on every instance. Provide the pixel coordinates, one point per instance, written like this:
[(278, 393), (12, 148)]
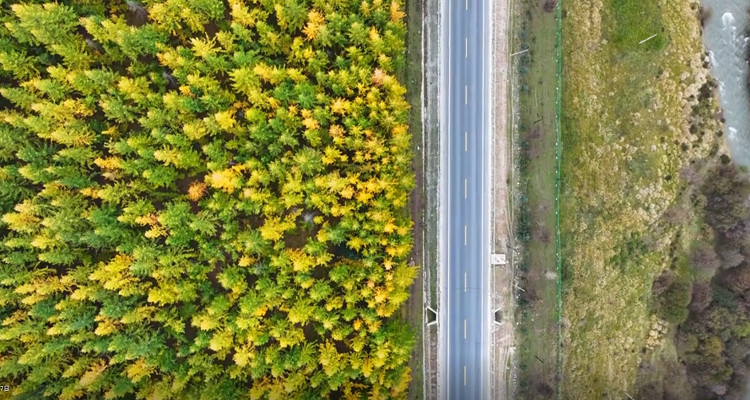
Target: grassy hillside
[(635, 115)]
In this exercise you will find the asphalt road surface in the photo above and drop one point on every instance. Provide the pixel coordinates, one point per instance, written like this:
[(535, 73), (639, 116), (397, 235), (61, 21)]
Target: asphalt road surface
[(467, 313)]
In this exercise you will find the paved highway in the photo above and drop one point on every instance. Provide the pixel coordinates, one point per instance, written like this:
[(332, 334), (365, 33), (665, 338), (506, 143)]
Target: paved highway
[(467, 313)]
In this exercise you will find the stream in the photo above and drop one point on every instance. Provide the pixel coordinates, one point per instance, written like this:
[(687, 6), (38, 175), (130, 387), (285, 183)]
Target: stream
[(724, 38)]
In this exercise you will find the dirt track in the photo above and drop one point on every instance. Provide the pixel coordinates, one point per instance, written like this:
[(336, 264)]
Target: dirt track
[(502, 296), (429, 151)]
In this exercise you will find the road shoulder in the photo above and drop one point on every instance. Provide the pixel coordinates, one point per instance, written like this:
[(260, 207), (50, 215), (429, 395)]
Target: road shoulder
[(501, 276), (423, 51)]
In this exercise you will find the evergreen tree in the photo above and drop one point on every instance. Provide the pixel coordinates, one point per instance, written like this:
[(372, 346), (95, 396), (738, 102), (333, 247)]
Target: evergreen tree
[(200, 202)]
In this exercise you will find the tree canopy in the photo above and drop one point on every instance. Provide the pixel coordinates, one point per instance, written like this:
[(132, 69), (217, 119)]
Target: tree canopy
[(204, 199)]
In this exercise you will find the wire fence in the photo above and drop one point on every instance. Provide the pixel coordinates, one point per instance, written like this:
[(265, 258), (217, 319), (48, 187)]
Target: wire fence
[(558, 182)]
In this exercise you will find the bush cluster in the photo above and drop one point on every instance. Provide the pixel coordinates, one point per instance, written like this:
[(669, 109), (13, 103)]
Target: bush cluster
[(203, 199)]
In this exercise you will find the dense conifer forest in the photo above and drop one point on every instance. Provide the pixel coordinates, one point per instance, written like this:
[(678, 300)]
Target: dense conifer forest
[(204, 199)]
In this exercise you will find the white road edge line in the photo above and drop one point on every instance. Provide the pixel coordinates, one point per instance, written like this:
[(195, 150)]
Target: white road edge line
[(444, 254)]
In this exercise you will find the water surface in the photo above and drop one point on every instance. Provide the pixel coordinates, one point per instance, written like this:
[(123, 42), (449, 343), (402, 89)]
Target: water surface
[(724, 37)]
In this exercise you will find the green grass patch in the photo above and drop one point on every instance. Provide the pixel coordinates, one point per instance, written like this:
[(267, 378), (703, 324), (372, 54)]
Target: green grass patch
[(535, 227), (411, 76), (635, 21)]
